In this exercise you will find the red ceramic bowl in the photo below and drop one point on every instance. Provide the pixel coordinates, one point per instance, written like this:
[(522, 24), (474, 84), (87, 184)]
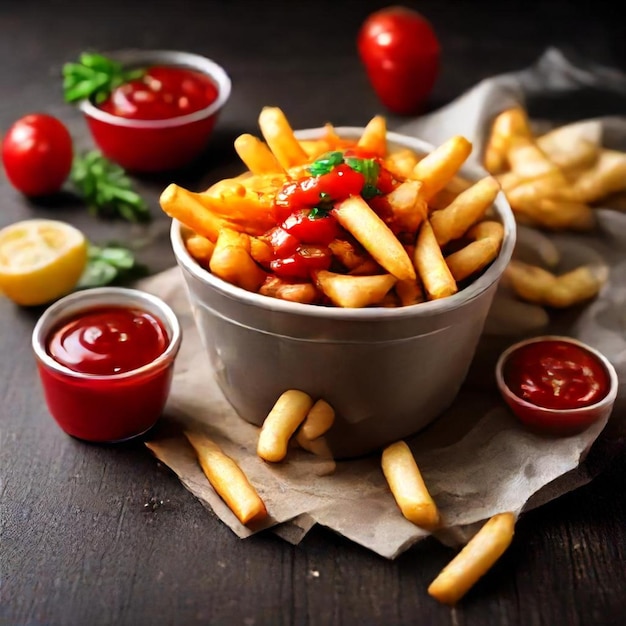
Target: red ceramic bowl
[(158, 145), (106, 408), (547, 354)]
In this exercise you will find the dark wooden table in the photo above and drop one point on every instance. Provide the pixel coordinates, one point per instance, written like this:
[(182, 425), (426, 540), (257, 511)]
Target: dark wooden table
[(105, 535)]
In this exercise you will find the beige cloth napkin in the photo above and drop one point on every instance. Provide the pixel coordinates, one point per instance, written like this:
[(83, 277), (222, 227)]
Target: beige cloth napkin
[(476, 458)]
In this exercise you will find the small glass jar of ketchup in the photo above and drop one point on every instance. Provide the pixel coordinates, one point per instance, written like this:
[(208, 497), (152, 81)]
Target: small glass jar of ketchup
[(557, 385), (105, 358)]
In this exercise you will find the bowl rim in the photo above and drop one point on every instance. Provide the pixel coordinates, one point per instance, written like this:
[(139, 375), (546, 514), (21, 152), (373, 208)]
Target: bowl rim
[(471, 291), (607, 400), (190, 60), (67, 307)]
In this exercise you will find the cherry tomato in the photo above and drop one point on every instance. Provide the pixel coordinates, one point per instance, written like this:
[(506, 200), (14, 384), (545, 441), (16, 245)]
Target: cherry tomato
[(283, 244), (307, 229), (401, 54), (37, 154), (302, 263), (338, 184)]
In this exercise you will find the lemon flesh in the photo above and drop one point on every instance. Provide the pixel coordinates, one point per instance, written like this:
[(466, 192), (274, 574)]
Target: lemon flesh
[(40, 260)]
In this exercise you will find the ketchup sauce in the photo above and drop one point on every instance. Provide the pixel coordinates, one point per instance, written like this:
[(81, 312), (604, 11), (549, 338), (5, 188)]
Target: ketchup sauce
[(163, 92), (556, 375), (113, 372), (106, 341)]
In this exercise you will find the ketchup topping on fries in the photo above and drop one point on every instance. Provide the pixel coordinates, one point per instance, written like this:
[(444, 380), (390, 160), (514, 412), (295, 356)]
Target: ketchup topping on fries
[(304, 209)]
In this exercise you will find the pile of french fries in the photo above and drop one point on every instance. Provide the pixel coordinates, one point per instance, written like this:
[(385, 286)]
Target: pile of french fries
[(553, 182), (297, 417), (426, 245)]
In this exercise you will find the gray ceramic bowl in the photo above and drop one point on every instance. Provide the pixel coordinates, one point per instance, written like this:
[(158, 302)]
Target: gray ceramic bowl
[(387, 372)]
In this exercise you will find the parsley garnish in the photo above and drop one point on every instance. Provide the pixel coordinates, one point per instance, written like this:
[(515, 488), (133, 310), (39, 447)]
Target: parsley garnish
[(326, 163), (95, 76), (110, 264), (106, 188)]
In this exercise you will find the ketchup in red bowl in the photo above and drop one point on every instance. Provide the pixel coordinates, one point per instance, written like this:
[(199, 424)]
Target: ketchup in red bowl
[(105, 359), (556, 384), (163, 120), (163, 92)]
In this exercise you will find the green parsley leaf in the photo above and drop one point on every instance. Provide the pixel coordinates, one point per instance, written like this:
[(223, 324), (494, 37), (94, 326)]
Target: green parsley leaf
[(326, 163), (95, 76), (107, 189), (112, 264), (368, 167)]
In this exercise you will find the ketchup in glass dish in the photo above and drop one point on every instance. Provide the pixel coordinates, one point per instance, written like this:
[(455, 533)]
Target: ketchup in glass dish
[(108, 340), (105, 358), (556, 385)]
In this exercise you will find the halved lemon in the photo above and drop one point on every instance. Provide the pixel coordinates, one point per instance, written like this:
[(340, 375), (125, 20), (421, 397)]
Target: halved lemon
[(40, 260)]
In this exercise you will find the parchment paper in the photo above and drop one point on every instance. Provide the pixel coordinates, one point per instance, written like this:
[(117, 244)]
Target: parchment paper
[(476, 459)]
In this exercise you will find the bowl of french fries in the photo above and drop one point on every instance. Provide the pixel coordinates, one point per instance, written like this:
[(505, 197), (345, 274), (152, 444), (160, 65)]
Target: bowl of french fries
[(385, 318)]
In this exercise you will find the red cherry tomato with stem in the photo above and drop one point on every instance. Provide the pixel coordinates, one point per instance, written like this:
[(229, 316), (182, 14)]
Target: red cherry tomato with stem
[(401, 53), (37, 154)]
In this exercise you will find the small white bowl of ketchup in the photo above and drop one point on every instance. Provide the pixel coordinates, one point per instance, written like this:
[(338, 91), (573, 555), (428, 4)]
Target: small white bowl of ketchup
[(556, 385), (163, 120), (105, 358)]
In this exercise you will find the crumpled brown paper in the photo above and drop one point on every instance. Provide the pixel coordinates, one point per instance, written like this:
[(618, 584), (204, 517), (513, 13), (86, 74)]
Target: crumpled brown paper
[(476, 458)]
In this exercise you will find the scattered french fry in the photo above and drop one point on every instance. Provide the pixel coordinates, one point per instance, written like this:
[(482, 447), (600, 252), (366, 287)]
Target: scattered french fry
[(474, 560), (281, 423), (408, 487), (539, 286), (228, 479), (359, 219), (431, 266), (509, 123), (318, 420)]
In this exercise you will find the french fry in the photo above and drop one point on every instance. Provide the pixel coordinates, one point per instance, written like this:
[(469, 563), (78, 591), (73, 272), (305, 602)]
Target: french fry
[(550, 185), (431, 266), (231, 260), (605, 177), (347, 253), (281, 423), (318, 420), (466, 209), (572, 146), (408, 206), (474, 560), (360, 220), (276, 287), (200, 248), (407, 486), (409, 292), (260, 250), (280, 137), (487, 239), (539, 286), (256, 155), (401, 162), (507, 124), (438, 168), (354, 292), (184, 206), (555, 214), (527, 160), (228, 479), (374, 136)]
